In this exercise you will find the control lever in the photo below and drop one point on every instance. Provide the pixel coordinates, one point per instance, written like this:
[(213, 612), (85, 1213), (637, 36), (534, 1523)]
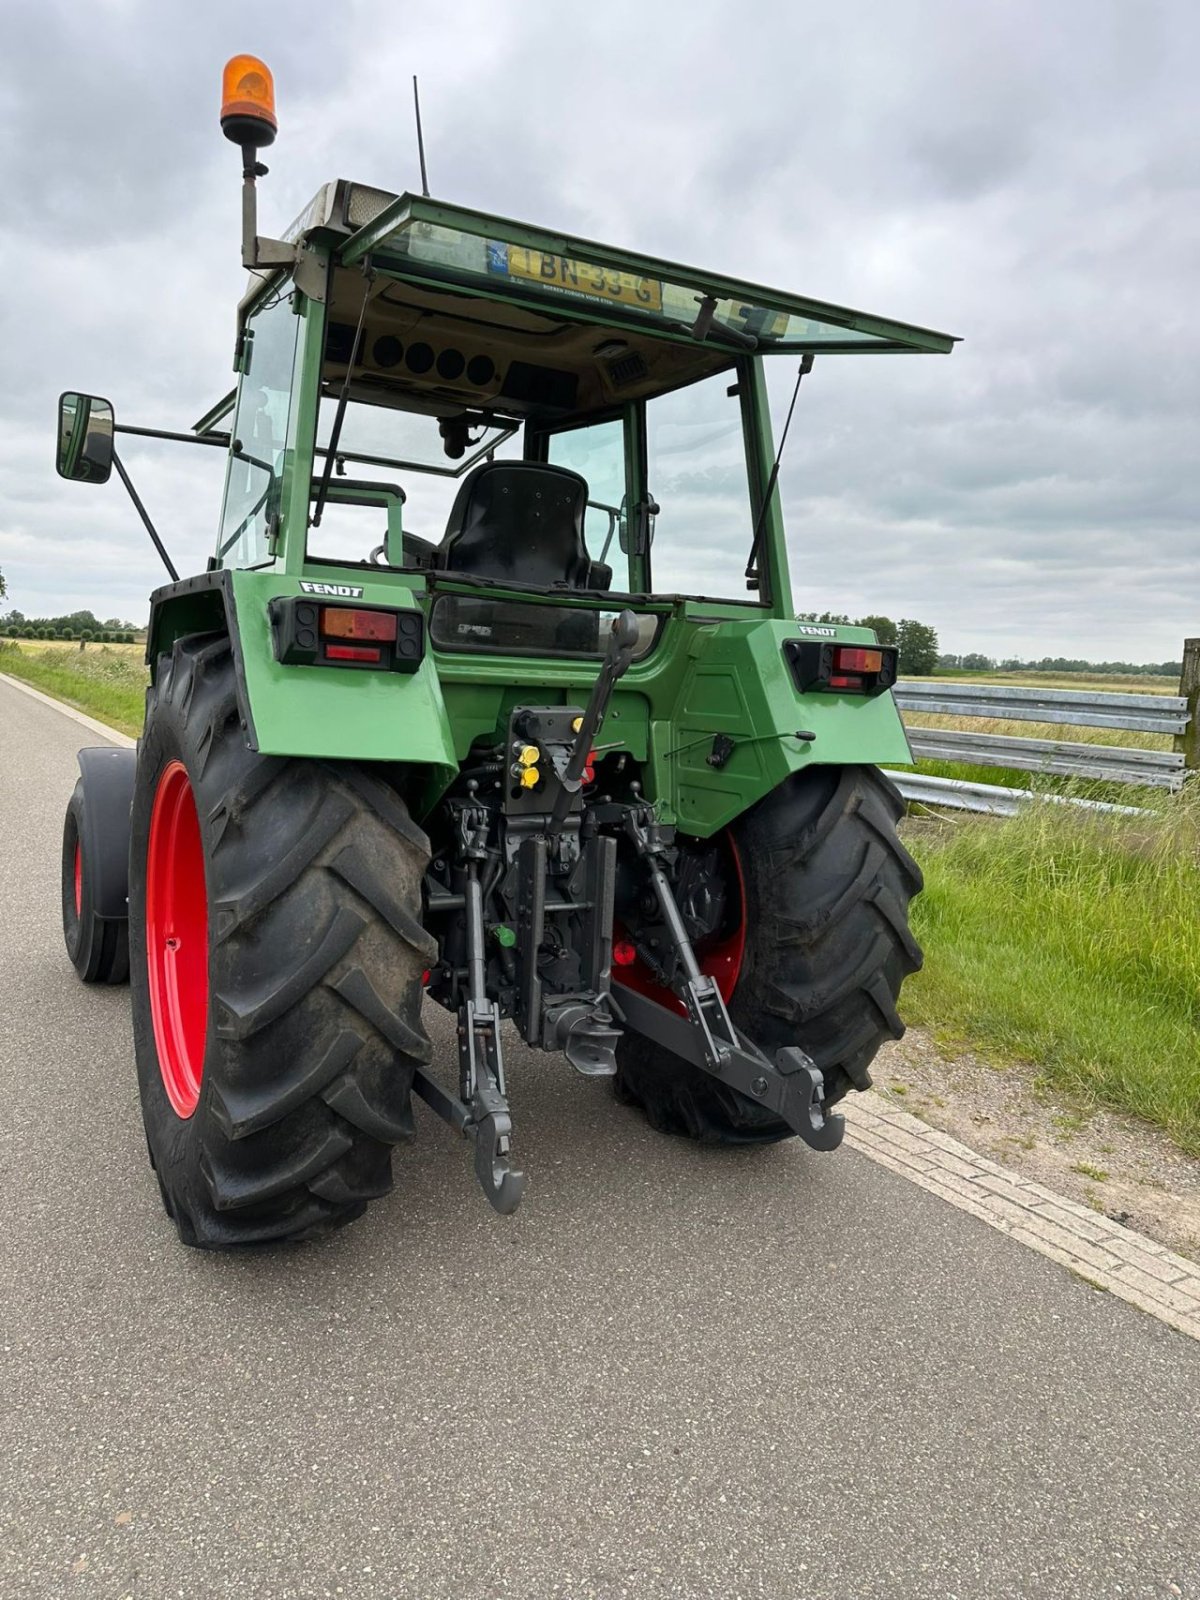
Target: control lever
[(621, 645)]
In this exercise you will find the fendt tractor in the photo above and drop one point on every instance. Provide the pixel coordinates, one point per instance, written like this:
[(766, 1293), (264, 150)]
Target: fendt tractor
[(471, 707)]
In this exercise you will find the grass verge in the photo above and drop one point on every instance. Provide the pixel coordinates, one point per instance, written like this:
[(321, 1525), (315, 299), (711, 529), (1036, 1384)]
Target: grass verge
[(1070, 940), (109, 684)]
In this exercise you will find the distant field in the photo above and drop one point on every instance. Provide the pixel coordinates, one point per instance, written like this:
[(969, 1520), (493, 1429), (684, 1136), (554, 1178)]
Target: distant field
[(37, 645), (1113, 682), (107, 681)]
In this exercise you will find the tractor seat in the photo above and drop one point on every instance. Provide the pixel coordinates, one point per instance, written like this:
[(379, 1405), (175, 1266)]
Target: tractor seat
[(521, 521)]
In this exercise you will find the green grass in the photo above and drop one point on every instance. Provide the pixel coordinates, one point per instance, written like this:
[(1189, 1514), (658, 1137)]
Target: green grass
[(1071, 940), (107, 683), (1098, 1174)]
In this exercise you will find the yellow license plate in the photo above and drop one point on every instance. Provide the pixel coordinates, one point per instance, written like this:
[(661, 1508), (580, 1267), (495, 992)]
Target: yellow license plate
[(581, 277)]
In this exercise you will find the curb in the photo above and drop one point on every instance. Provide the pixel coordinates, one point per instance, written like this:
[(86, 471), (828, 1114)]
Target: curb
[(102, 728), (1099, 1250)]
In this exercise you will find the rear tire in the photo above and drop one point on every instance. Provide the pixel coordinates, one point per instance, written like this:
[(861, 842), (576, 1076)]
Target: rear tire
[(98, 947), (827, 886), (274, 1092)]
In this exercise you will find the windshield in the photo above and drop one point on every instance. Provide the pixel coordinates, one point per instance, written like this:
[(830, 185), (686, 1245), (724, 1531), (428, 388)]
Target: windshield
[(392, 498)]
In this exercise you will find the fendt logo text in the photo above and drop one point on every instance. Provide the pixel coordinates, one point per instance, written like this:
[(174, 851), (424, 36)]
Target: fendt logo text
[(342, 591)]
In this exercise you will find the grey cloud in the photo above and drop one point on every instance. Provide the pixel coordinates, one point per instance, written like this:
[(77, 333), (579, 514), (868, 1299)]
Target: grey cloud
[(1023, 175)]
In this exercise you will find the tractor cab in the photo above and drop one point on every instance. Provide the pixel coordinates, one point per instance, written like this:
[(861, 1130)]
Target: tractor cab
[(446, 395)]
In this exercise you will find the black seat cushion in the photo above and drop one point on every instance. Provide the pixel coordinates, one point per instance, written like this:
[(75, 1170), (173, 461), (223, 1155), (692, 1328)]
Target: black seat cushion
[(522, 522)]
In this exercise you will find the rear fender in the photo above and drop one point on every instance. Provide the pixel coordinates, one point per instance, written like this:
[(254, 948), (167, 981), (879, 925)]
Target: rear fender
[(738, 685), (322, 712), (108, 777)]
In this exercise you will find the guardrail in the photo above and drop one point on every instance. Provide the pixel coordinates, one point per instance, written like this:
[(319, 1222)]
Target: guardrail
[(990, 798), (1177, 716), (1080, 708), (1139, 713)]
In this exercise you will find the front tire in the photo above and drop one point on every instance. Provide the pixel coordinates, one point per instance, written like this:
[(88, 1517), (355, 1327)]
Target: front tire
[(825, 886), (276, 962)]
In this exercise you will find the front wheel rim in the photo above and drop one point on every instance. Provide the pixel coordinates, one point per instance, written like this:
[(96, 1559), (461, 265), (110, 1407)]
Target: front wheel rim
[(177, 938)]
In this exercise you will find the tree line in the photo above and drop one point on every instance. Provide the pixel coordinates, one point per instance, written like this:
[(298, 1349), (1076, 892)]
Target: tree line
[(916, 641), (919, 654), (84, 626), (975, 661)]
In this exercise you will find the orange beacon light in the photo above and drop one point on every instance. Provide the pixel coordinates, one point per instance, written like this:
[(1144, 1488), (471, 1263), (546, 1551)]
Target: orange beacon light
[(248, 102)]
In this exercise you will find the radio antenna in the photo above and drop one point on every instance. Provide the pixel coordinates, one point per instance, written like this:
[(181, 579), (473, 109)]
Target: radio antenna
[(420, 139)]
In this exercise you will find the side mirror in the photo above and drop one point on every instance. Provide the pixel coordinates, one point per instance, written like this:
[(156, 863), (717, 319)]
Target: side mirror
[(86, 427)]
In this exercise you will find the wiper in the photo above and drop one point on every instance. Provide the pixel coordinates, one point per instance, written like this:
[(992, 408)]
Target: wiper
[(705, 327)]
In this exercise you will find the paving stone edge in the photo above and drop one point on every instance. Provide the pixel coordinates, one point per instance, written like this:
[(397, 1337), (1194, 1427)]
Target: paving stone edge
[(1111, 1256)]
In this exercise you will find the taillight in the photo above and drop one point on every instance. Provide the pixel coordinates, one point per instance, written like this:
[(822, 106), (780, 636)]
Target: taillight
[(852, 658), (340, 622), (308, 634), (353, 652), (841, 668)]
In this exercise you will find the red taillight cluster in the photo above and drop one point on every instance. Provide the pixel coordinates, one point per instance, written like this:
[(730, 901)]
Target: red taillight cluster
[(345, 622), (847, 668), (852, 665), (851, 658), (310, 634)]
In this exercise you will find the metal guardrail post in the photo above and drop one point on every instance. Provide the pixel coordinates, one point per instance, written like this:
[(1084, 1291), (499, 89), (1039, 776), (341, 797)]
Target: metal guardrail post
[(1188, 742)]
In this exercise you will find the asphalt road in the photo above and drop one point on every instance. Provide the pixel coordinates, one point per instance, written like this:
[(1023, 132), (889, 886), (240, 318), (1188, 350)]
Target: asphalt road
[(673, 1373)]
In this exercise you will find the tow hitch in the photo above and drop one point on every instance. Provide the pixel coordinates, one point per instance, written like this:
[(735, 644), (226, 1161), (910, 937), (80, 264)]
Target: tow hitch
[(792, 1085), (549, 861)]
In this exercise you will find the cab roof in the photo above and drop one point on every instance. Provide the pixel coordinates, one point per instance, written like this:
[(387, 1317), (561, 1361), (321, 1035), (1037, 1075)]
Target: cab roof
[(462, 312), (427, 240)]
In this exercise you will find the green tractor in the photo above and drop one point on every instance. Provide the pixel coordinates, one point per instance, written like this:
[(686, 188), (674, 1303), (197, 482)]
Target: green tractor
[(471, 709)]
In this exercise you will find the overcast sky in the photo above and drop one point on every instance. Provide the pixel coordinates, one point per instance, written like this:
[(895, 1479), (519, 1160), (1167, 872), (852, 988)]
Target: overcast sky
[(1022, 173)]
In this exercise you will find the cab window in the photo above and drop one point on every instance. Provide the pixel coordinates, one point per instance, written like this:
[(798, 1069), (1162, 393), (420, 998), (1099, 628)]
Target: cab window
[(597, 453), (696, 474), (254, 482)]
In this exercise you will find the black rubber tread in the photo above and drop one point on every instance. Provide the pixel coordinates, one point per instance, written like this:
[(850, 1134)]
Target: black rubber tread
[(98, 947), (316, 954), (828, 886)]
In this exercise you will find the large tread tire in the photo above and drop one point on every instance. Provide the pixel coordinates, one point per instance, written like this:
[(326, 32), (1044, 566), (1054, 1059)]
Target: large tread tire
[(98, 947), (827, 888), (316, 951)]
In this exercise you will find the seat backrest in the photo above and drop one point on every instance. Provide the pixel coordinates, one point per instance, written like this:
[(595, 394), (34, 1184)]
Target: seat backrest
[(521, 521)]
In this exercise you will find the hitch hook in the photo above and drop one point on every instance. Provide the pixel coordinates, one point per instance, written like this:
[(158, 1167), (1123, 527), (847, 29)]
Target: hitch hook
[(806, 1111), (502, 1186)]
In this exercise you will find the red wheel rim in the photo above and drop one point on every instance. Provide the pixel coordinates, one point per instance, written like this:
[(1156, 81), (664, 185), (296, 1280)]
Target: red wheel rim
[(78, 879), (177, 938), (720, 957)]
